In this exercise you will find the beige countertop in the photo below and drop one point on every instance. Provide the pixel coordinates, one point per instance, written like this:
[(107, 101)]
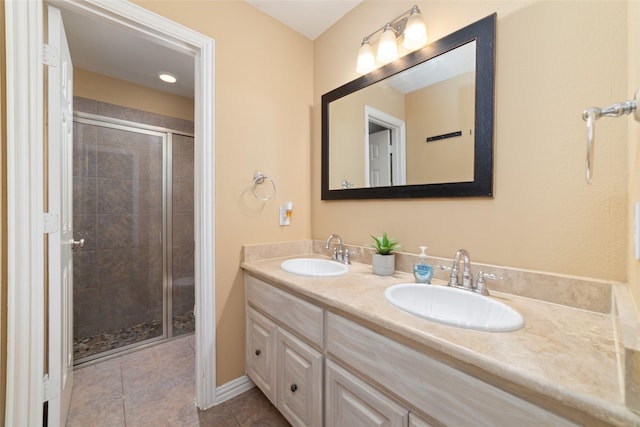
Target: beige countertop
[(567, 359)]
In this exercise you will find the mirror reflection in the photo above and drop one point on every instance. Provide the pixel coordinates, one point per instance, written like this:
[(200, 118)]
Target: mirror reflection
[(421, 126), (417, 126)]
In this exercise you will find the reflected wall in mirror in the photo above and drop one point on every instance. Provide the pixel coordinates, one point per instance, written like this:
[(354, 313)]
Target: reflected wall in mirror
[(421, 126)]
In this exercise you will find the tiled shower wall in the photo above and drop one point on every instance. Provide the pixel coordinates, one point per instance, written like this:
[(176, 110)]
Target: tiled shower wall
[(118, 273)]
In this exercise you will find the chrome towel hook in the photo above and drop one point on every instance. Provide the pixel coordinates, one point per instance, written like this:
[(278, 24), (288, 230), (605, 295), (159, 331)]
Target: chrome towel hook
[(260, 178), (590, 115)]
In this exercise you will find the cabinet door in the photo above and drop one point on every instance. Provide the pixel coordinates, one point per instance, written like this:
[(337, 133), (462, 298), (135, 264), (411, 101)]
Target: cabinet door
[(299, 381), (261, 353), (353, 403)]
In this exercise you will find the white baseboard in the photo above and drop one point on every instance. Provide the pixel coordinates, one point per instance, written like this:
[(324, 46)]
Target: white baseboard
[(233, 388)]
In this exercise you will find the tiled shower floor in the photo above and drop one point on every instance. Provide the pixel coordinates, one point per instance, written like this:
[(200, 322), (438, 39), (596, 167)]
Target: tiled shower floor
[(89, 346), (156, 387)]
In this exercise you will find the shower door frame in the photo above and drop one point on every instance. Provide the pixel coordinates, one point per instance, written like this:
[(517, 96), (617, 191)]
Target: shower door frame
[(166, 134)]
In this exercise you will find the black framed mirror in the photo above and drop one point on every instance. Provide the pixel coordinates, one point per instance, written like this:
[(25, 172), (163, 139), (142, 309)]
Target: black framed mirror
[(421, 126)]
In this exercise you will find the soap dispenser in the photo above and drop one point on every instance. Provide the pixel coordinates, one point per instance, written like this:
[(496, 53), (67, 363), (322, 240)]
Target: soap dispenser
[(422, 271)]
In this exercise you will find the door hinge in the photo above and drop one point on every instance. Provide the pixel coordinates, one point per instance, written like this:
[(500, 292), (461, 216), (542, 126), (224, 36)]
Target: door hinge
[(50, 222), (49, 55), (49, 388)]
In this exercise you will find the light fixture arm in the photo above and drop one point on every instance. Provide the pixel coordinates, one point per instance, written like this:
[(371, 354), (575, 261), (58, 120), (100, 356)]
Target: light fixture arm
[(397, 24)]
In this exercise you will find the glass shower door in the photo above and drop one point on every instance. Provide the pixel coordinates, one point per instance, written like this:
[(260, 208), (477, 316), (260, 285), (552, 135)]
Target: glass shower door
[(119, 200)]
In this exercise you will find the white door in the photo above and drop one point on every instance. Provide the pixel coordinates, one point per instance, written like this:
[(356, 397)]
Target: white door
[(379, 159), (60, 158)]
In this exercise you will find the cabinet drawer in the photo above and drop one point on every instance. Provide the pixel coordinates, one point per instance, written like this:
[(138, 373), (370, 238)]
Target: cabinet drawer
[(448, 395), (353, 403), (298, 316), (261, 353), (299, 381)]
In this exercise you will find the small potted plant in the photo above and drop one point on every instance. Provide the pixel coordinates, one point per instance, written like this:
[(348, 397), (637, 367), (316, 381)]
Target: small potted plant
[(384, 260)]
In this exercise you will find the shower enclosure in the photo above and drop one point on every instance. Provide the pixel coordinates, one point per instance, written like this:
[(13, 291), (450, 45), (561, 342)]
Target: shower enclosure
[(133, 205)]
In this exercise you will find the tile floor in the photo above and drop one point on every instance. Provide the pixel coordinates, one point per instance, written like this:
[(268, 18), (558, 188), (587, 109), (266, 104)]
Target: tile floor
[(156, 387)]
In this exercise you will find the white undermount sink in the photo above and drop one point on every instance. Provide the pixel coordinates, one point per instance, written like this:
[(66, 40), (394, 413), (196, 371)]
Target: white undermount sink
[(315, 267), (455, 307)]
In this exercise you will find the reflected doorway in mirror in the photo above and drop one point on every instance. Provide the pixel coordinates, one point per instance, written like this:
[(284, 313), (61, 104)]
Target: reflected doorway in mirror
[(385, 149)]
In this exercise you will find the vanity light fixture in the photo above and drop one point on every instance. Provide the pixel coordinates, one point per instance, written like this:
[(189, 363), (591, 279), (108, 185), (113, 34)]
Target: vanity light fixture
[(167, 77), (410, 26)]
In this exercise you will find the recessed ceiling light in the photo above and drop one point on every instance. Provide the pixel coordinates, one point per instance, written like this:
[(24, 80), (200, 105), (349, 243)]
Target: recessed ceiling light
[(167, 77)]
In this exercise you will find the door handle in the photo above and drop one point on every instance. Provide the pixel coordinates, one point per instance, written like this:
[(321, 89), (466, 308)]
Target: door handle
[(77, 244)]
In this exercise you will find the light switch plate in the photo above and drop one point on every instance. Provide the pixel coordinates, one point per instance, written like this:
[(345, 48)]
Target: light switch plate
[(284, 219)]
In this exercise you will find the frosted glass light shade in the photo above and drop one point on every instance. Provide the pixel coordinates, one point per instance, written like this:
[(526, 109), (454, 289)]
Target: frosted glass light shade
[(387, 47), (415, 33), (366, 59)]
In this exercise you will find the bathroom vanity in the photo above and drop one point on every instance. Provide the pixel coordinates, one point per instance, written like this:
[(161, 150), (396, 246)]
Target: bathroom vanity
[(332, 351)]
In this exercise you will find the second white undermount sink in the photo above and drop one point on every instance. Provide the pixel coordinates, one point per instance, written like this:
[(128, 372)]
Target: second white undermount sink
[(455, 307), (315, 267)]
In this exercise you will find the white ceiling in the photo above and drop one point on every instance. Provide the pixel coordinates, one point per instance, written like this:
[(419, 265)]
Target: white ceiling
[(307, 17), (105, 49), (102, 48), (448, 65)]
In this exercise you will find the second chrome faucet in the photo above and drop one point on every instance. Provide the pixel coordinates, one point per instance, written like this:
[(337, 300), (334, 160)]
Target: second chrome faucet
[(467, 276)]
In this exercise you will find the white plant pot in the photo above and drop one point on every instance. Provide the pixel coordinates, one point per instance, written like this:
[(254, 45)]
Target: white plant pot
[(383, 265)]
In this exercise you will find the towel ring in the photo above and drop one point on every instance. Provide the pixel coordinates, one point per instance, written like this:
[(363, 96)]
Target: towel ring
[(590, 115), (260, 178)]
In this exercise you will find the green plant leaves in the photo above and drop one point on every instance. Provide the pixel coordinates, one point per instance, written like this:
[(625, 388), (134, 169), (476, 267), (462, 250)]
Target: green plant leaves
[(384, 245)]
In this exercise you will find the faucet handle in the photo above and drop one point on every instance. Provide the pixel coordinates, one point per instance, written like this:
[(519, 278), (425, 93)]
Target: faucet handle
[(480, 285), (453, 278), (345, 256)]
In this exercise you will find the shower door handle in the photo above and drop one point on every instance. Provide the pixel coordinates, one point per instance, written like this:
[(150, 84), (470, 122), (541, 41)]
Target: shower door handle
[(75, 244)]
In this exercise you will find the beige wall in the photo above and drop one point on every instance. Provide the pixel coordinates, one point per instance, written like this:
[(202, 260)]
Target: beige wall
[(119, 92), (435, 111), (263, 107), (347, 131), (553, 59), (633, 18)]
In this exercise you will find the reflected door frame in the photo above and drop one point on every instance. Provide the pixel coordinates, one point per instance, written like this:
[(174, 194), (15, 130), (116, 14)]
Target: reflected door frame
[(399, 144)]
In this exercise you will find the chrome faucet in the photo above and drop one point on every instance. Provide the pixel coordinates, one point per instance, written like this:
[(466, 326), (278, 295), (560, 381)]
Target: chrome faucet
[(339, 253), (467, 277)]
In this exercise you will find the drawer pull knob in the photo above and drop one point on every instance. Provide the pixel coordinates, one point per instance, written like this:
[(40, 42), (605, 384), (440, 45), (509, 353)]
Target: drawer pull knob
[(293, 388), (258, 352)]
